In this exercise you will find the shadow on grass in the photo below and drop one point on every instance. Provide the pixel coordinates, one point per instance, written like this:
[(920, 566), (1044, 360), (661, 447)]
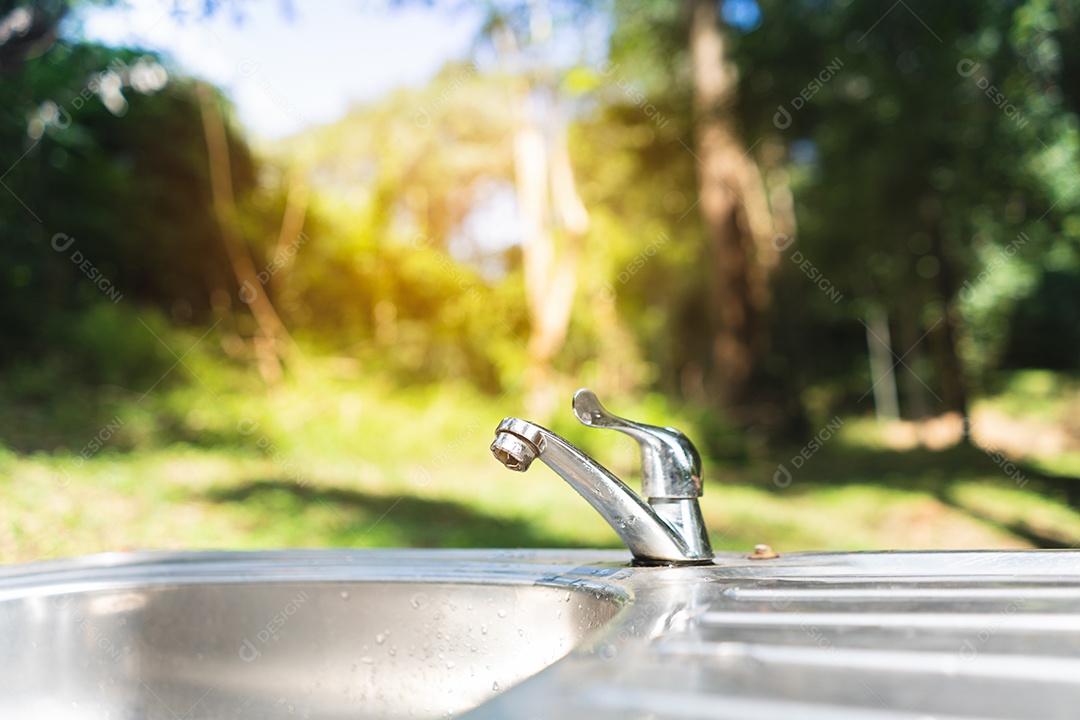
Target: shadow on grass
[(119, 419), (368, 520), (934, 472)]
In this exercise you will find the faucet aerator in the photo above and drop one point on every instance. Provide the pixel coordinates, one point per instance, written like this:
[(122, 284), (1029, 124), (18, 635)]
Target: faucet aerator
[(513, 452)]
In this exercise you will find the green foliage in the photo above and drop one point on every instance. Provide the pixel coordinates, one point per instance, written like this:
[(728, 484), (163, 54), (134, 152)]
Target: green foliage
[(919, 146), (109, 345), (393, 276), (106, 201), (1045, 326)]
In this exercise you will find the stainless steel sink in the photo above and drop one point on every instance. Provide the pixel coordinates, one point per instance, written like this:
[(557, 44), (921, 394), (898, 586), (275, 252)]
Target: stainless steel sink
[(520, 635), (290, 635)]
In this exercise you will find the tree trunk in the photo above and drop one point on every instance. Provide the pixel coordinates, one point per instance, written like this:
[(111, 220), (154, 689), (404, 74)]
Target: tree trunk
[(273, 344), (910, 347), (551, 209), (292, 226), (882, 362), (949, 370), (550, 206), (735, 212)]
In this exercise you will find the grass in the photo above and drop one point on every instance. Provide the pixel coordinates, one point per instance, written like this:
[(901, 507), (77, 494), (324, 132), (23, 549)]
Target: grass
[(338, 461)]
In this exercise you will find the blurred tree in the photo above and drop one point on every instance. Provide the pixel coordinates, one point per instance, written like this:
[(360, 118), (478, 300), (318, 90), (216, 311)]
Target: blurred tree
[(735, 211), (670, 70), (273, 344), (548, 203), (399, 276), (921, 128), (925, 153), (96, 208), (27, 29)]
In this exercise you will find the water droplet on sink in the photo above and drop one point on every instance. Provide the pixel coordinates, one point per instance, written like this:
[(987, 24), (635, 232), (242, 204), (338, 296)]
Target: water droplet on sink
[(502, 613), (483, 629), (449, 664), (495, 686), (380, 639), (567, 598), (392, 651)]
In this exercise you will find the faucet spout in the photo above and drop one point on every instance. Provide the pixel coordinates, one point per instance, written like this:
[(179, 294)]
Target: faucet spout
[(664, 530)]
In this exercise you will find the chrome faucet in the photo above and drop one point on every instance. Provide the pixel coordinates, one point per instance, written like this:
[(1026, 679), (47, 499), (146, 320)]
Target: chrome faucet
[(666, 530)]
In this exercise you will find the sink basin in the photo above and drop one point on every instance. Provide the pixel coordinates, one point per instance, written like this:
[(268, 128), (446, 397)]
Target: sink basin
[(290, 635)]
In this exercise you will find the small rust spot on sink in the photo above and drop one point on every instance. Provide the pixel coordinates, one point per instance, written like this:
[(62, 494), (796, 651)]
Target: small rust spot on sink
[(763, 552)]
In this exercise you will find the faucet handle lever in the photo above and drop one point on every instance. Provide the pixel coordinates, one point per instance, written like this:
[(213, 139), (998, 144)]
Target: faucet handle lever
[(670, 464)]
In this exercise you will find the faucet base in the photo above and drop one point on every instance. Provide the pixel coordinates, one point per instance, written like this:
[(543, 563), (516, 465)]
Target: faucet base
[(648, 562), (684, 515)]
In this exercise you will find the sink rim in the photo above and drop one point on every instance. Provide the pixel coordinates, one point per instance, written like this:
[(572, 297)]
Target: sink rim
[(151, 568)]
